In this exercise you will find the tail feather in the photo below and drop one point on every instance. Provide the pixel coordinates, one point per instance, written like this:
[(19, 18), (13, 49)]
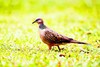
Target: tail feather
[(81, 43), (78, 42)]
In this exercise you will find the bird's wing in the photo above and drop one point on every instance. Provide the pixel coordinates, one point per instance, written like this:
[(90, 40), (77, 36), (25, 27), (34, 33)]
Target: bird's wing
[(53, 37)]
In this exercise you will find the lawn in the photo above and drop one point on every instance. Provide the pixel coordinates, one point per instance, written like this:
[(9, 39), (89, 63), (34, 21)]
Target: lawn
[(21, 46)]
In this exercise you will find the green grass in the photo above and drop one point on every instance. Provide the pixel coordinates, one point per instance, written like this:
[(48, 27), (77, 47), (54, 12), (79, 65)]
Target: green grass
[(20, 44)]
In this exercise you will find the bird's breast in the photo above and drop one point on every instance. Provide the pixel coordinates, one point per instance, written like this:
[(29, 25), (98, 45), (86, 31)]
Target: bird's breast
[(42, 35)]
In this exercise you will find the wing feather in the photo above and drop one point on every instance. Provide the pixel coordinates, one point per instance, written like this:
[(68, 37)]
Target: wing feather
[(56, 38)]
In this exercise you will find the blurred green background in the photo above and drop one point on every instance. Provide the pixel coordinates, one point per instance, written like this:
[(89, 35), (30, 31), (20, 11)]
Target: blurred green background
[(32, 6), (21, 46), (65, 9)]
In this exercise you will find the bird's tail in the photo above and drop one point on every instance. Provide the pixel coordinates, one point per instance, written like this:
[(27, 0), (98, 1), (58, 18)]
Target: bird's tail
[(78, 42)]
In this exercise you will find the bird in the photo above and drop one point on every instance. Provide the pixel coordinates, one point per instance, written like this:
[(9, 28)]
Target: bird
[(52, 38)]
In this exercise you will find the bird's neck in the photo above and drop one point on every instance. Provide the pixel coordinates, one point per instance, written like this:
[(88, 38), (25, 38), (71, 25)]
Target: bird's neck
[(42, 26)]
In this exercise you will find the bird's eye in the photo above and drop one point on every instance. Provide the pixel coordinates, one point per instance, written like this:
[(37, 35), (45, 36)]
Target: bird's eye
[(39, 21)]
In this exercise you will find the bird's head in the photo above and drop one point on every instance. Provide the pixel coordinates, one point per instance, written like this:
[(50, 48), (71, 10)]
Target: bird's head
[(38, 20)]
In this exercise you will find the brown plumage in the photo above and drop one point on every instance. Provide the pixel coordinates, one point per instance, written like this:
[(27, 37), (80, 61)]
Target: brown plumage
[(52, 38)]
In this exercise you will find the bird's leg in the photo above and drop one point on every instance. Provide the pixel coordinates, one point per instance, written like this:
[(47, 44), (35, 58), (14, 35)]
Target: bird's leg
[(59, 48), (49, 47)]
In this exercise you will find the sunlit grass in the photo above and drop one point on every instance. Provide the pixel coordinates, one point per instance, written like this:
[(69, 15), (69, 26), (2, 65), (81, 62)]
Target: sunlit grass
[(20, 44)]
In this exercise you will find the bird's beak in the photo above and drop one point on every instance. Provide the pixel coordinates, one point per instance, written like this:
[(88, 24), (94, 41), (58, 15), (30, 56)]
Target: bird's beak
[(33, 22)]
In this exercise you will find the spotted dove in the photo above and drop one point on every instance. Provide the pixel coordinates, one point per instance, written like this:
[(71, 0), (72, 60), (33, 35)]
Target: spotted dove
[(52, 38)]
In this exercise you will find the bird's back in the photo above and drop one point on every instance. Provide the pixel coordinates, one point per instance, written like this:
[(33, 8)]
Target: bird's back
[(49, 36)]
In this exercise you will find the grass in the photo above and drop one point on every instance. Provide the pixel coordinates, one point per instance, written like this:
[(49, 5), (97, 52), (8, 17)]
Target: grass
[(20, 44)]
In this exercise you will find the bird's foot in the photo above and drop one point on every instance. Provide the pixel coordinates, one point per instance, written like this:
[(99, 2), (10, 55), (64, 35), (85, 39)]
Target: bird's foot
[(60, 48)]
